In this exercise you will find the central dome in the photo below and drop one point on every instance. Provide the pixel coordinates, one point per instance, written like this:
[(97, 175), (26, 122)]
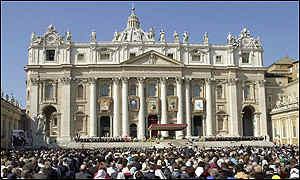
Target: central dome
[(133, 32)]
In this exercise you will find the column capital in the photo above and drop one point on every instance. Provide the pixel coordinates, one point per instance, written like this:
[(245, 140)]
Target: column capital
[(179, 80), (92, 80), (141, 80), (232, 81), (124, 79), (261, 83), (35, 81), (163, 80), (66, 80), (116, 80), (209, 81)]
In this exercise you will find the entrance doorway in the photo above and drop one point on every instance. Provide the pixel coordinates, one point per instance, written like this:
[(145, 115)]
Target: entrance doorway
[(105, 126), (248, 115), (198, 127), (152, 119), (133, 130)]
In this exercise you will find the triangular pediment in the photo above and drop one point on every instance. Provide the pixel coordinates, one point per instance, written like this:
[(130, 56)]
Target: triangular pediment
[(152, 58)]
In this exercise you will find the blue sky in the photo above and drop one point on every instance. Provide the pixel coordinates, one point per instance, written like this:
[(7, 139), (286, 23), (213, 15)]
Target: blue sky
[(276, 23)]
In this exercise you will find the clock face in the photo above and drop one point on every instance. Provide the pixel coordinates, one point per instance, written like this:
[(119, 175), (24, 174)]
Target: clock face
[(51, 38)]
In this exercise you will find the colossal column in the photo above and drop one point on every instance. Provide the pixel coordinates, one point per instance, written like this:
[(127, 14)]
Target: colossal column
[(163, 97), (116, 120), (188, 108), (233, 103), (209, 104), (92, 122), (141, 123), (66, 104), (125, 107), (179, 134), (262, 107)]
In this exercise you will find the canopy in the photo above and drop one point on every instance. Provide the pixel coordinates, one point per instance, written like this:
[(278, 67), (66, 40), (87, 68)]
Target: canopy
[(167, 127)]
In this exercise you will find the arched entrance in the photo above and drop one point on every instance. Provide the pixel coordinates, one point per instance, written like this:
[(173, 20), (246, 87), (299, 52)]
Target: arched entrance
[(133, 130), (152, 119), (248, 116), (197, 126), (47, 112), (104, 126)]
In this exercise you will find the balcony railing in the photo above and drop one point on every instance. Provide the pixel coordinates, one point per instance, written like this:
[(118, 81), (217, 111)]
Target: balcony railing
[(284, 107)]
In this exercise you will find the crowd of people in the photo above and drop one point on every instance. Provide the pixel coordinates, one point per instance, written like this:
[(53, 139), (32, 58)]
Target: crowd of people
[(190, 162)]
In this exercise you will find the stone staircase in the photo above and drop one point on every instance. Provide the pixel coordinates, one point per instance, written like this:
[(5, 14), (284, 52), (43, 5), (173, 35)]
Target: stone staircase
[(165, 144)]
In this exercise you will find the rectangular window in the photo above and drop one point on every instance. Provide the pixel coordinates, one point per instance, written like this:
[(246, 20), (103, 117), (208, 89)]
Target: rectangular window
[(50, 54), (132, 91), (196, 58), (170, 55), (152, 90), (245, 57), (219, 59), (131, 55), (170, 91)]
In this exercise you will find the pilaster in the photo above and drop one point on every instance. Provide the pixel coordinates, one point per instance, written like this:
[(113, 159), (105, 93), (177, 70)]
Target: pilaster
[(233, 110), (66, 104), (34, 96), (262, 107)]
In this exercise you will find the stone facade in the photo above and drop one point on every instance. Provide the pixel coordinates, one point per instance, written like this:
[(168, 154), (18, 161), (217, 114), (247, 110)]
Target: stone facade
[(283, 101), (119, 88), (12, 117)]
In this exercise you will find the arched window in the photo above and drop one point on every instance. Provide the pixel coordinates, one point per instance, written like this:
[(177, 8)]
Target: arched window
[(196, 90), (105, 90), (247, 92), (152, 90), (49, 91), (80, 91), (132, 90), (170, 91), (219, 92)]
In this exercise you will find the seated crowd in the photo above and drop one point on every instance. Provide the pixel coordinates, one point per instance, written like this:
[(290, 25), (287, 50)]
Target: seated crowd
[(150, 163)]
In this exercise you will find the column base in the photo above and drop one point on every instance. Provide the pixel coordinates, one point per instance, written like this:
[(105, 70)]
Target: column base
[(179, 135)]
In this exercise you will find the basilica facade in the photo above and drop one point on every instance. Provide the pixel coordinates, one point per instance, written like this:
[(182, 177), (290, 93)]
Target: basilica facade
[(121, 87)]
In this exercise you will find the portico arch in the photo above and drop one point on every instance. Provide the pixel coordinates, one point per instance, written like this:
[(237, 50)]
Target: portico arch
[(47, 111), (248, 118)]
